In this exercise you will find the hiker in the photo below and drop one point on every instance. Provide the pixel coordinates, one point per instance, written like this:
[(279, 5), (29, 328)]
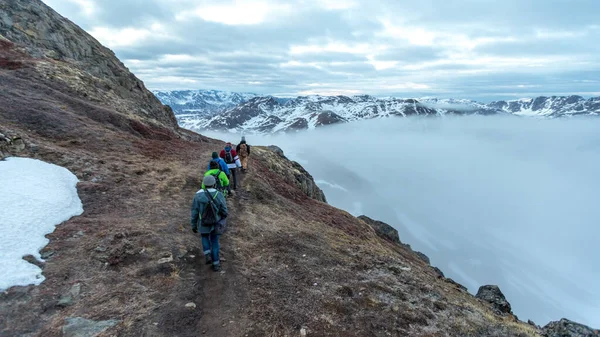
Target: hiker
[(209, 216), (243, 151), (221, 180), (233, 162), (220, 161)]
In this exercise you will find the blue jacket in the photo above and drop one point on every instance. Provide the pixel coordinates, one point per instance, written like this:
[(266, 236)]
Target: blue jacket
[(200, 202), (222, 163)]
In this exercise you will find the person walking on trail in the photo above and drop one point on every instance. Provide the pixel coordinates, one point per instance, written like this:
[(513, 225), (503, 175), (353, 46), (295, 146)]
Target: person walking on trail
[(233, 162), (220, 161), (243, 151), (209, 216), (221, 180)]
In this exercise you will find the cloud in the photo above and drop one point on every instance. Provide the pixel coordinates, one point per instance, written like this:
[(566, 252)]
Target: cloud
[(374, 47), (491, 200), (239, 12)]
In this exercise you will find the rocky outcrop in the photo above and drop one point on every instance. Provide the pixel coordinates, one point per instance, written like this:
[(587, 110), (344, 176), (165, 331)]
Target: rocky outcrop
[(277, 150), (493, 295), (567, 328), (292, 171), (10, 145), (297, 124), (328, 118), (382, 229), (61, 51)]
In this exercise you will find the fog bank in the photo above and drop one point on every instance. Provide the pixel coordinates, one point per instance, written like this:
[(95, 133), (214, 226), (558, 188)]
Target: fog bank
[(491, 200)]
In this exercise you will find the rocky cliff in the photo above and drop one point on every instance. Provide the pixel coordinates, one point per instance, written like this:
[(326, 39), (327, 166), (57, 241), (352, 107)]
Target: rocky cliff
[(58, 50), (130, 265)]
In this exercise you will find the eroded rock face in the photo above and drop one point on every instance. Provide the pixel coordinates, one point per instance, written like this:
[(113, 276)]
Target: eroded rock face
[(382, 229), (493, 295), (567, 328), (64, 52)]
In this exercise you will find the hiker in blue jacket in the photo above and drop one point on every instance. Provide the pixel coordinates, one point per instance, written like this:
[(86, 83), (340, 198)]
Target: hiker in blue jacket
[(220, 161), (210, 232)]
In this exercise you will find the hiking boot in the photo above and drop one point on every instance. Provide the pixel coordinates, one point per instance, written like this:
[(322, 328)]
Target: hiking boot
[(216, 267), (207, 259)]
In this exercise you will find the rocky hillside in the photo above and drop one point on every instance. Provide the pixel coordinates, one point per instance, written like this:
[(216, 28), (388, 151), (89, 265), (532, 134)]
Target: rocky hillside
[(270, 114), (130, 265)]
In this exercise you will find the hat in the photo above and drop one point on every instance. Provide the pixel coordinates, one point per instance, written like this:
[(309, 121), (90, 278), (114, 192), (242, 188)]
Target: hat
[(209, 181), (215, 155), (228, 144), (243, 138)]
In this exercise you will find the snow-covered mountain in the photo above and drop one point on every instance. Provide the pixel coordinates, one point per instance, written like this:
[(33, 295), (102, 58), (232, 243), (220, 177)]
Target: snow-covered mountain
[(271, 114), (192, 105), (555, 106)]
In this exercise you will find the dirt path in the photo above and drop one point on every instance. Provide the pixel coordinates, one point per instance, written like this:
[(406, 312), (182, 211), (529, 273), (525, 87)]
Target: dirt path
[(219, 296)]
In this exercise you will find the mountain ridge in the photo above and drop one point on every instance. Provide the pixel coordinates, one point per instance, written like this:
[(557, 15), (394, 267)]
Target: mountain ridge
[(266, 114)]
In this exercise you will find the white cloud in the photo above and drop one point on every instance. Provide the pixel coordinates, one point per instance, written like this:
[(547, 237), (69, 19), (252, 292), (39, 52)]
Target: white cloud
[(454, 49), (330, 92), (406, 86), (176, 79), (338, 47), (239, 12), (337, 4), (86, 7), (130, 36)]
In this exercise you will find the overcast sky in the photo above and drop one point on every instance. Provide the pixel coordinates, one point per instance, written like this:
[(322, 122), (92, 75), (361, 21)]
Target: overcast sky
[(479, 49)]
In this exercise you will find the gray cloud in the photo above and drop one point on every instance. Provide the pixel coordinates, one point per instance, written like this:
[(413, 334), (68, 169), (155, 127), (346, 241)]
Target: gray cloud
[(475, 48)]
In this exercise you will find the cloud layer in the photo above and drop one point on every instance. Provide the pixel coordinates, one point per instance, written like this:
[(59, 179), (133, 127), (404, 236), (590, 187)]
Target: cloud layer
[(478, 49), (490, 199)]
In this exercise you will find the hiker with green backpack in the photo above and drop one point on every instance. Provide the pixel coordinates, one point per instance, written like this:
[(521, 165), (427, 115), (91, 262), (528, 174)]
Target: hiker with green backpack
[(222, 182), (209, 215)]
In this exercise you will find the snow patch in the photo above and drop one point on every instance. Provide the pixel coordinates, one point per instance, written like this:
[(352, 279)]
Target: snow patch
[(35, 197)]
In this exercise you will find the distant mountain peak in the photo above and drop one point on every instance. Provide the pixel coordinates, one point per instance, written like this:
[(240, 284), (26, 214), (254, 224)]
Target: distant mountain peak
[(265, 114)]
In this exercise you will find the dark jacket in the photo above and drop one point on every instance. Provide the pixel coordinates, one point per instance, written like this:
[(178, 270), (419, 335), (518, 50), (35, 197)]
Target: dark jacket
[(200, 202), (237, 148)]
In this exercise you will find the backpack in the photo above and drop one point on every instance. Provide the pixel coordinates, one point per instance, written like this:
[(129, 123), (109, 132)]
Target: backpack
[(209, 215), (229, 157), (243, 151), (218, 185)]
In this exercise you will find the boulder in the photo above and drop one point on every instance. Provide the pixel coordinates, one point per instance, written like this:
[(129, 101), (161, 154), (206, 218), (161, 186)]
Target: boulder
[(438, 272), (276, 149), (81, 327), (493, 295), (382, 229), (567, 328), (423, 257)]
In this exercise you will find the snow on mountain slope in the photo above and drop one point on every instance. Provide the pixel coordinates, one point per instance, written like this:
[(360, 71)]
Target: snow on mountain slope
[(190, 106), (267, 114), (555, 106)]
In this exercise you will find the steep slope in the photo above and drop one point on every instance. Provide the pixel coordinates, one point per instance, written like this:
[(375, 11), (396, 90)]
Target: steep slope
[(190, 106), (271, 114), (130, 266), (65, 53)]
